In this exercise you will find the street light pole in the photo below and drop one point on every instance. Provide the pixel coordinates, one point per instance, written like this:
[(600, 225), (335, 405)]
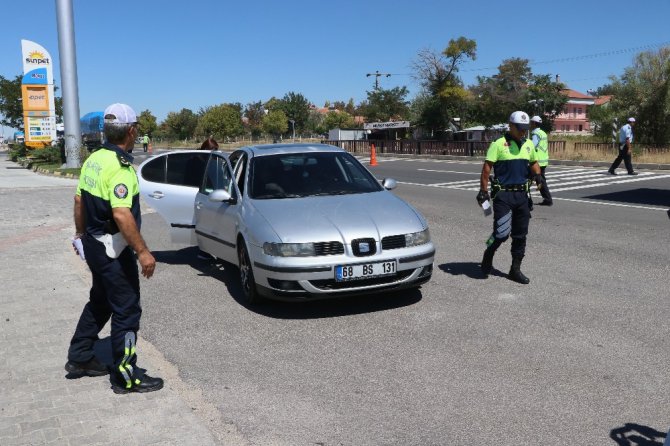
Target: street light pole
[(292, 121), (68, 74)]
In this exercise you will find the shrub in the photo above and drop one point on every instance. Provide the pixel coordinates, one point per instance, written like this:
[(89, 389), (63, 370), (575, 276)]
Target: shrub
[(17, 151)]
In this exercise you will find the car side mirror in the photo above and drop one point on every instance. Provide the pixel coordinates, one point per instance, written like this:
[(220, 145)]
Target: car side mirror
[(221, 195), (389, 183)]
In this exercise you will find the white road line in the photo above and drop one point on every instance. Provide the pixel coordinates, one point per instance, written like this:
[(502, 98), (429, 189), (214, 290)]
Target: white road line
[(630, 180), (571, 172), (606, 180), (604, 203), (450, 171), (588, 174)]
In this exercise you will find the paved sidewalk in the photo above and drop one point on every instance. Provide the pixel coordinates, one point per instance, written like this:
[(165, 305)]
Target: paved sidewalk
[(44, 287)]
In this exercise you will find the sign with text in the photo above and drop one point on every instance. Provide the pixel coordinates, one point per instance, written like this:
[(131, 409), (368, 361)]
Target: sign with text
[(35, 97), (386, 125), (37, 89)]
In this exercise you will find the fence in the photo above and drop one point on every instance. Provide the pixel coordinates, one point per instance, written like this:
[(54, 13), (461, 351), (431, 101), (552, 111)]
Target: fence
[(605, 147), (411, 147)]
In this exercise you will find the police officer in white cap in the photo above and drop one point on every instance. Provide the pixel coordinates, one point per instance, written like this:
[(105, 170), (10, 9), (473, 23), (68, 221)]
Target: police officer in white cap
[(513, 158), (625, 143), (541, 143), (108, 220)]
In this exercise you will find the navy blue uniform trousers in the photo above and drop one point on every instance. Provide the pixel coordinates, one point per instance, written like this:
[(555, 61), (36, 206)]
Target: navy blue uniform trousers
[(115, 293), (510, 217)]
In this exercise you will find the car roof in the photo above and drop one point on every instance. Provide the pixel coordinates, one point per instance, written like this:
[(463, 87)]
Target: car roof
[(275, 149)]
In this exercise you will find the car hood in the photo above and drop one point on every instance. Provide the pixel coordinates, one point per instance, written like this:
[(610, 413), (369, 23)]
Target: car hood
[(339, 218)]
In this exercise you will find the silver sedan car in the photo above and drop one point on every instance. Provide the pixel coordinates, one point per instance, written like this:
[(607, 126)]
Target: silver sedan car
[(301, 221)]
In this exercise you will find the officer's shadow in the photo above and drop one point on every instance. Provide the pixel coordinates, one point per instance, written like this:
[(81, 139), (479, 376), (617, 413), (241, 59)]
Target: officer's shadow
[(102, 349), (472, 270)]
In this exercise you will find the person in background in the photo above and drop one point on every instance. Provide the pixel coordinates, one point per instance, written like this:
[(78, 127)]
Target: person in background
[(625, 143), (145, 142), (209, 144), (541, 143)]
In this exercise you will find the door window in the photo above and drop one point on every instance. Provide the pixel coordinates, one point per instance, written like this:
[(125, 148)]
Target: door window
[(181, 169), (217, 176), (240, 171)]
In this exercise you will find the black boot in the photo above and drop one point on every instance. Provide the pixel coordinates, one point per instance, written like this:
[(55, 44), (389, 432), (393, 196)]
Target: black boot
[(142, 385), (515, 273), (487, 262)]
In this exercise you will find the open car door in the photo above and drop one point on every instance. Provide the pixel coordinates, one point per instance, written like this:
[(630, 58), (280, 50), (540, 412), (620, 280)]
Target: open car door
[(169, 183)]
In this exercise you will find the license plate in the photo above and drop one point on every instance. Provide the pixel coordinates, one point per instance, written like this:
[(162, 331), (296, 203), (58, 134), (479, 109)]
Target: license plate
[(365, 270)]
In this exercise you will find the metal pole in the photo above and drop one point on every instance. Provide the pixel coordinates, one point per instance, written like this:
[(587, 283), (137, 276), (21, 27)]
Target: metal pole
[(68, 74)]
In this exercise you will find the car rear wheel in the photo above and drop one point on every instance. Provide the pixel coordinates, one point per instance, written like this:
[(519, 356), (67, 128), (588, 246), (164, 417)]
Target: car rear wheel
[(247, 280)]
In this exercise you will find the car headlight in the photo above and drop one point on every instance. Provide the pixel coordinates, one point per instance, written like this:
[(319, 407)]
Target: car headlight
[(417, 238), (289, 249)]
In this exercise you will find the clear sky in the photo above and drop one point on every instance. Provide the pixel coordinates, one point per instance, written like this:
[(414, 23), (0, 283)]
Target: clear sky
[(168, 55)]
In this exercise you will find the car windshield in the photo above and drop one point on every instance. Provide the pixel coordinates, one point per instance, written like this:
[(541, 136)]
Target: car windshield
[(294, 175)]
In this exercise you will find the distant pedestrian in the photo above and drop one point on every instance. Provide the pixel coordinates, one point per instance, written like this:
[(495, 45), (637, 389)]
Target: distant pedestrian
[(209, 144), (625, 148), (107, 219), (145, 142), (541, 143)]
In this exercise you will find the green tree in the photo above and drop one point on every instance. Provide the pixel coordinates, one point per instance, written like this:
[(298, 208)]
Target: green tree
[(296, 107), (10, 102), (221, 121), (350, 107), (601, 118), (385, 105), (338, 119), (515, 87), (147, 123), (444, 96), (181, 125), (315, 122), (275, 123), (254, 112), (643, 91)]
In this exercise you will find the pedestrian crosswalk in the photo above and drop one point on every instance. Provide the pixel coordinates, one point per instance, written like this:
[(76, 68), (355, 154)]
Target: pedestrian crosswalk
[(559, 178), (567, 179)]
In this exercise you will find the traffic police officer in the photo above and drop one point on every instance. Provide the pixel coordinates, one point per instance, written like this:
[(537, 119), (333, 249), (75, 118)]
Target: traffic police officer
[(512, 157), (625, 143), (539, 138), (107, 220)]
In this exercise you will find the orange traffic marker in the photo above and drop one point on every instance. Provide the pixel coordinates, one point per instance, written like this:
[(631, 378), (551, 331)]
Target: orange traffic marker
[(151, 149), (373, 155)]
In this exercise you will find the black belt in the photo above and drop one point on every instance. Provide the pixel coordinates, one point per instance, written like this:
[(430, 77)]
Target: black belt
[(514, 188)]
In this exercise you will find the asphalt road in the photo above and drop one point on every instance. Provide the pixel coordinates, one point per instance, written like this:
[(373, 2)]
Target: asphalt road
[(579, 356)]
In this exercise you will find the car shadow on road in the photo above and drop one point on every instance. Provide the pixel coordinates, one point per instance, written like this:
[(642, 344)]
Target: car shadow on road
[(644, 196), (470, 269), (632, 434), (316, 309)]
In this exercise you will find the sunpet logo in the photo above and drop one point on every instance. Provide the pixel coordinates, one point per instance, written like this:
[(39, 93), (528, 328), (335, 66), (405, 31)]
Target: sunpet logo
[(37, 58)]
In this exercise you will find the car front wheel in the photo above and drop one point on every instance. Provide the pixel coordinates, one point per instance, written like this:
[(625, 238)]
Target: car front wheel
[(247, 280)]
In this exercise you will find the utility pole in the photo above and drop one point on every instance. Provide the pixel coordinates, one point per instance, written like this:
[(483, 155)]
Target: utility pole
[(68, 74), (377, 74)]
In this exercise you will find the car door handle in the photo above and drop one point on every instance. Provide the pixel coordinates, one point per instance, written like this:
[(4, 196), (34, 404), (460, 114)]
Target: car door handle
[(157, 195)]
